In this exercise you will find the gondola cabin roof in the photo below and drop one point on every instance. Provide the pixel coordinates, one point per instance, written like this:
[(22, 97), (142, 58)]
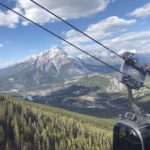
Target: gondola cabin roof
[(142, 124)]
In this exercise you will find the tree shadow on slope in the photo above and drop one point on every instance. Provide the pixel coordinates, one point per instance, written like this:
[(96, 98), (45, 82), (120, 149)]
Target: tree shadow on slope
[(73, 91)]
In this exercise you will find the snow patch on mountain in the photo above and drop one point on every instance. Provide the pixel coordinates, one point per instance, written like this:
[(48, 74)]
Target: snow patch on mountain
[(45, 67)]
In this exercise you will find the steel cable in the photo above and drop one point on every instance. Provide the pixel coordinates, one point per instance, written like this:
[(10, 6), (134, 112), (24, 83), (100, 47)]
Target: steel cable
[(69, 24), (47, 30)]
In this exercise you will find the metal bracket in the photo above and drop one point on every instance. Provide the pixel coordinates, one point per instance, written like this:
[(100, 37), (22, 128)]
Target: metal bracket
[(130, 61)]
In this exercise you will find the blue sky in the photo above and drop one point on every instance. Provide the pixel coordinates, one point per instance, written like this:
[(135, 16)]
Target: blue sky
[(120, 24)]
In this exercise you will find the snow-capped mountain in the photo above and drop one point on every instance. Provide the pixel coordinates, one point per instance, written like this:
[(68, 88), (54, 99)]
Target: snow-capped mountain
[(46, 67)]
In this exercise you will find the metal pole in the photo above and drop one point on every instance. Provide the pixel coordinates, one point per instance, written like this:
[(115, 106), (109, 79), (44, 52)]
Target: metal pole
[(137, 110)]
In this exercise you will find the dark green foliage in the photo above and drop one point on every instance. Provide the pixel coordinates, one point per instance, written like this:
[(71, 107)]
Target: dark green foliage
[(28, 126)]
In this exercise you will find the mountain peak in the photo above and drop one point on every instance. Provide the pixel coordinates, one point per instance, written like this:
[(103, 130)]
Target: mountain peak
[(48, 66), (56, 51), (50, 53)]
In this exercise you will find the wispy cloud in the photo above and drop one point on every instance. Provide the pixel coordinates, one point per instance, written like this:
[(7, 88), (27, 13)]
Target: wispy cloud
[(9, 19), (141, 12), (101, 30), (135, 41), (67, 9), (1, 45)]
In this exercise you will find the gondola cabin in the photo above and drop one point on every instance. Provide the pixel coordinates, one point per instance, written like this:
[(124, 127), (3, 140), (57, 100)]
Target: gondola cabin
[(131, 134)]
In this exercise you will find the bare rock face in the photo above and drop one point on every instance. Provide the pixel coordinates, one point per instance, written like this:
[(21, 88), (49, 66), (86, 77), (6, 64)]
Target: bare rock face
[(43, 68), (115, 86)]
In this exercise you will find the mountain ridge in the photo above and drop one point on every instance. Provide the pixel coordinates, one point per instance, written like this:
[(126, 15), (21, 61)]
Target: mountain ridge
[(46, 67)]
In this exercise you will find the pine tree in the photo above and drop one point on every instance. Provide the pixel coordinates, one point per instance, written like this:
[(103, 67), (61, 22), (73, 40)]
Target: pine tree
[(2, 136)]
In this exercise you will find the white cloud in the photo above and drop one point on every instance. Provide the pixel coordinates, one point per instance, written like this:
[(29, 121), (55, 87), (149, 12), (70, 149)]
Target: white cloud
[(109, 25), (100, 30), (1, 45), (9, 19), (67, 9), (137, 41), (143, 11)]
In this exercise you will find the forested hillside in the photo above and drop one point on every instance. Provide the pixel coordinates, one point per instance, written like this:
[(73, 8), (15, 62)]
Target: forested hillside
[(29, 126)]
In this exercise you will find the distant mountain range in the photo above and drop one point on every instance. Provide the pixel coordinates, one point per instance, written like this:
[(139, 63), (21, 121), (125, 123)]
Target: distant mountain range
[(50, 66), (54, 78)]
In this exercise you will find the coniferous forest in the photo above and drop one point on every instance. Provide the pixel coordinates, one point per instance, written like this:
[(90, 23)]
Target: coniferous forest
[(29, 126)]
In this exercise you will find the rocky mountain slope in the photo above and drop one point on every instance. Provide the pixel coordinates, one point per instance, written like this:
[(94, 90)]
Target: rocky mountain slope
[(50, 66)]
